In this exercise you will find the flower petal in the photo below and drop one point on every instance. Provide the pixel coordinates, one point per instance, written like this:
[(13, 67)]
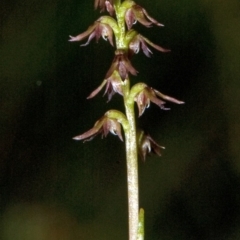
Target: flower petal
[(150, 93), (152, 19), (140, 16), (135, 45), (143, 102), (167, 98), (145, 49), (138, 40), (102, 4), (112, 68), (159, 48), (114, 85), (130, 18), (129, 66), (84, 34), (107, 33), (97, 90), (92, 35), (115, 128), (155, 148), (109, 7), (90, 134)]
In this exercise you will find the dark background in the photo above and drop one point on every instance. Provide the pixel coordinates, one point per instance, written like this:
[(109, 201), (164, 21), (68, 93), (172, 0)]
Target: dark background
[(52, 187)]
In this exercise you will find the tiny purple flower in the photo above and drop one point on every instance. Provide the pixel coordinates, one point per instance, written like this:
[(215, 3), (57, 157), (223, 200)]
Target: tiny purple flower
[(103, 126), (113, 85), (147, 95), (146, 145), (141, 42), (122, 65), (96, 30)]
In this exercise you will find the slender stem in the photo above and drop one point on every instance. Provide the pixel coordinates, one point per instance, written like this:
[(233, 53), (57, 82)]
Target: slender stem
[(141, 225), (132, 170), (120, 37), (130, 137)]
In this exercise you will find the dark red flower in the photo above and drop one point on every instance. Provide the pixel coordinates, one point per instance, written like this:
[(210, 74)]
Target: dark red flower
[(137, 13), (113, 85), (103, 126), (146, 145), (96, 30), (147, 95), (141, 42), (122, 65)]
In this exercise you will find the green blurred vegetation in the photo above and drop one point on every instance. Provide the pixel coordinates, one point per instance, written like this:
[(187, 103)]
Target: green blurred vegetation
[(52, 187)]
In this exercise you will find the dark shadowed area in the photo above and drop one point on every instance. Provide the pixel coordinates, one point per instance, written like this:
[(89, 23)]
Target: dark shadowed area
[(55, 188)]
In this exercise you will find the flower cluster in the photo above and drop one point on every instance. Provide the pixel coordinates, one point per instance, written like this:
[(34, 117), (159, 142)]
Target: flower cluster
[(118, 30)]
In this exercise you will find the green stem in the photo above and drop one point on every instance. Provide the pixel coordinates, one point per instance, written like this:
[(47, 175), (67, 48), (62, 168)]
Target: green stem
[(132, 169), (130, 134), (141, 225)]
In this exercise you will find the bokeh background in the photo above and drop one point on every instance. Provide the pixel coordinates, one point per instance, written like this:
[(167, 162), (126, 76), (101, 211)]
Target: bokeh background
[(52, 187)]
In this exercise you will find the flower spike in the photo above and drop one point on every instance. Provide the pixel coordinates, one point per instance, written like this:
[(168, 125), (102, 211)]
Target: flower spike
[(117, 29), (137, 13)]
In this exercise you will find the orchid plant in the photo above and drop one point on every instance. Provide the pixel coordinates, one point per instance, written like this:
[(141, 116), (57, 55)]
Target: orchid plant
[(116, 27)]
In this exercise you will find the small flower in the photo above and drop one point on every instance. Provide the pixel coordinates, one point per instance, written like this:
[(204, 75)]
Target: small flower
[(144, 98), (146, 145), (146, 94), (113, 85), (103, 126), (140, 41), (137, 13), (122, 65), (96, 30), (103, 4)]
